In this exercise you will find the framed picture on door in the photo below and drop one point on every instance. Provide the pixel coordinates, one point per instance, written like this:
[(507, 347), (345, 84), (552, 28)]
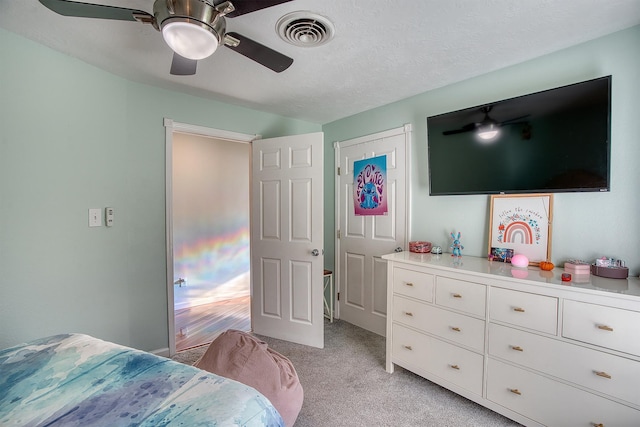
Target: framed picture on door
[(370, 186), (522, 223)]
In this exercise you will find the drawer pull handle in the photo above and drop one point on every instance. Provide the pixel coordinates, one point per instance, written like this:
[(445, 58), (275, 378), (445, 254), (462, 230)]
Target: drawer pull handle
[(602, 374), (518, 309), (515, 391), (516, 348), (455, 367), (457, 296), (408, 313), (409, 284), (455, 328), (605, 328), (598, 425), (408, 347)]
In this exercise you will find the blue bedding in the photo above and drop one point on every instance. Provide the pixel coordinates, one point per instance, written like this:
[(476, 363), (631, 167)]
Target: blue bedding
[(78, 380)]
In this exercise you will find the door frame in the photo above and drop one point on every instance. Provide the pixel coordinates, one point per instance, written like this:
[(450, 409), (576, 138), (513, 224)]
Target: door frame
[(170, 128), (406, 129)]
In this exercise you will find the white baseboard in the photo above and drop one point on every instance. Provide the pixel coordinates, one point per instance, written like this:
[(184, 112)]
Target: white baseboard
[(164, 352)]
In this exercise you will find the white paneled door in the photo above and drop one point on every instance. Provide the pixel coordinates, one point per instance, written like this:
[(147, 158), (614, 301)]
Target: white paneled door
[(361, 272), (287, 259)]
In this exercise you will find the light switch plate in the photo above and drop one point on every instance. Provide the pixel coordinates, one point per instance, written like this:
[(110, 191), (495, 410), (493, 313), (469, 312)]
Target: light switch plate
[(95, 217)]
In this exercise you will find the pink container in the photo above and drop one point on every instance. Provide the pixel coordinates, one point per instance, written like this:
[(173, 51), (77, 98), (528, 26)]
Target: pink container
[(577, 267), (420, 247)]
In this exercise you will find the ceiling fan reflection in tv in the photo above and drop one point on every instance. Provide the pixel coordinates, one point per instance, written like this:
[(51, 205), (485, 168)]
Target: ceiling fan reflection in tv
[(487, 129), (557, 140)]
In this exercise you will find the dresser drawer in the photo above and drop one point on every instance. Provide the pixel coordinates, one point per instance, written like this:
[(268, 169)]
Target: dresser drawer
[(601, 372), (536, 312), (461, 329), (460, 295), (603, 326), (419, 352), (413, 284), (552, 403)]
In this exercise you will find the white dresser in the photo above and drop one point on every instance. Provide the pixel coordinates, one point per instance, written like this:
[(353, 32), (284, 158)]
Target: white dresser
[(533, 348)]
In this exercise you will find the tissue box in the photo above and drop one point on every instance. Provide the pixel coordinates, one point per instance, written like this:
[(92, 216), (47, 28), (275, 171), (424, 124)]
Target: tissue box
[(577, 267)]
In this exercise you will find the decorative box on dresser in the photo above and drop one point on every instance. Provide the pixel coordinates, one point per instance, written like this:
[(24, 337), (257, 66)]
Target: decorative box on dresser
[(523, 343)]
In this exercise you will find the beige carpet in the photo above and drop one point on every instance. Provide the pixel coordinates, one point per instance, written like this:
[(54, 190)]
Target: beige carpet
[(345, 384)]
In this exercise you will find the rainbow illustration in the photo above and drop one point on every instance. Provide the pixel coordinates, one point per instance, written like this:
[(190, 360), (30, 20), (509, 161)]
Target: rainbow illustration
[(518, 232), (519, 228)]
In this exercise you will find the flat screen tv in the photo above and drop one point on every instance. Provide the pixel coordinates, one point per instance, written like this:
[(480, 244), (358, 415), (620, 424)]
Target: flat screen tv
[(557, 140)]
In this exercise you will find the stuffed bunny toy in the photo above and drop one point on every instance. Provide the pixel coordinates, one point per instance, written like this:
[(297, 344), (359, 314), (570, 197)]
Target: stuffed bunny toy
[(456, 245)]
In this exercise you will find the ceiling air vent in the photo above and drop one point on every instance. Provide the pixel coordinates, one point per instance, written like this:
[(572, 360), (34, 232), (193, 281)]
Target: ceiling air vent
[(305, 29)]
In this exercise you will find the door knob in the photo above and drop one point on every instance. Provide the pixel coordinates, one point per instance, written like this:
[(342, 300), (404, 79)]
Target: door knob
[(315, 252)]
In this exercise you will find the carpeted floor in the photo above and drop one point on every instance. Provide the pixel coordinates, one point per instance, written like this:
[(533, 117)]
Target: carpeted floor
[(345, 384)]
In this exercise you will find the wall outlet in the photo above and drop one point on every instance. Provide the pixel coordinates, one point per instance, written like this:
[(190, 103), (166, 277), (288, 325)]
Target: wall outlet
[(108, 216)]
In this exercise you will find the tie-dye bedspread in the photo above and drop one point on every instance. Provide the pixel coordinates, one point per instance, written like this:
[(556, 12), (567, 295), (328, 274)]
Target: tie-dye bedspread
[(78, 380)]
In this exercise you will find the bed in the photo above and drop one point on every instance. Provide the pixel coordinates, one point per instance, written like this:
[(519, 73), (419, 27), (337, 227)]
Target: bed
[(78, 380)]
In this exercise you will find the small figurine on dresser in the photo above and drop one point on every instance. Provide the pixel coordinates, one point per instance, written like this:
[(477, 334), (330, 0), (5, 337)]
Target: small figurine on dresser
[(456, 245)]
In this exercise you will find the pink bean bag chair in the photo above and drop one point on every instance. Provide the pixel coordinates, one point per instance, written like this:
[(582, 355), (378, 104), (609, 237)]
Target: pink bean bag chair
[(244, 358)]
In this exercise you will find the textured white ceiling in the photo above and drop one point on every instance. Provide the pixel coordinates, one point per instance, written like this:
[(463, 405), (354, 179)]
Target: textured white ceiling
[(383, 51)]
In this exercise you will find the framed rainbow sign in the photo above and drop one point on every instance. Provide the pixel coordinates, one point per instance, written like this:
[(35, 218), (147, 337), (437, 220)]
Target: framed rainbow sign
[(522, 222)]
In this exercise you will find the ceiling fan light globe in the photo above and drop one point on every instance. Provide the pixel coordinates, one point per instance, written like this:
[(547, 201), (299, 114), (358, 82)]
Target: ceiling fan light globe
[(190, 40), (488, 131), (488, 135)]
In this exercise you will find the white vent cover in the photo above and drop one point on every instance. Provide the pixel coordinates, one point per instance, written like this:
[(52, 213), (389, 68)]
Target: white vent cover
[(306, 29)]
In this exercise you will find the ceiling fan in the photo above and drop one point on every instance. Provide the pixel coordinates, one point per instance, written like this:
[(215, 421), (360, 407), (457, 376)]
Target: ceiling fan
[(488, 128), (193, 29)]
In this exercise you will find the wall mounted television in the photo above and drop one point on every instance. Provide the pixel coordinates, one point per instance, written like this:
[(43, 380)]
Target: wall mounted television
[(557, 140)]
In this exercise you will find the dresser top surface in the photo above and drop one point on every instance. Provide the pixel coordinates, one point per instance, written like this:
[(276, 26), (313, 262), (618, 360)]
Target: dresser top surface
[(484, 267)]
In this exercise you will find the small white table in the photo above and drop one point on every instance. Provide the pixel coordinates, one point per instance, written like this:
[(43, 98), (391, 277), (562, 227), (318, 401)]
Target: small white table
[(328, 302)]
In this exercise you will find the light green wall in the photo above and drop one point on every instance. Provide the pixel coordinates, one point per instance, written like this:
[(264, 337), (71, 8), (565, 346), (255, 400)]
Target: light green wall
[(585, 225), (73, 137)]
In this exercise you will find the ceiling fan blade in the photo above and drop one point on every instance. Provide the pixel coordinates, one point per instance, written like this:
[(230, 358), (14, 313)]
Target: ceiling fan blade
[(260, 53), (511, 121), (89, 10), (455, 131), (181, 66), (248, 6), (514, 123), (466, 128)]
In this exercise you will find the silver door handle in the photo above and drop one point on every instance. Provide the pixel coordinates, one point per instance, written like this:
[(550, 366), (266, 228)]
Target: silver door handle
[(315, 252)]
